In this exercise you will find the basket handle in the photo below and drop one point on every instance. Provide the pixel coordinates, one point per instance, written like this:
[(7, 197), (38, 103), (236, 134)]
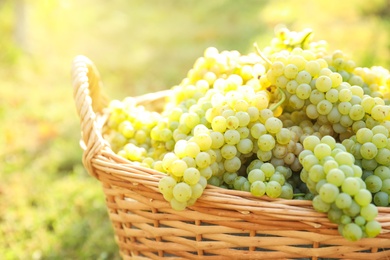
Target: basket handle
[(90, 101)]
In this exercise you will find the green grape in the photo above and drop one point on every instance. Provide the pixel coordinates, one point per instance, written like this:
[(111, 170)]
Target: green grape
[(363, 197), (386, 186), (264, 156), (273, 125), (283, 136), (191, 176), (232, 122), (310, 142), (322, 150), (291, 86), (257, 130), (266, 142), (178, 167), (219, 124), (239, 182), (329, 165), (229, 177), (380, 129), (381, 199), (290, 71), (317, 173), (328, 193), (380, 112), (190, 119), (295, 102), (191, 149), (303, 77), (273, 189), (335, 177), (343, 200), (256, 175), (379, 140), (308, 161), (352, 232), (244, 132), (255, 164), (334, 215), (196, 190), (344, 158), (369, 212), (203, 140), (320, 205), (258, 188), (323, 83), (278, 177), (217, 140), (329, 140), (166, 184), (232, 137), (253, 113), (228, 151), (373, 228), (347, 170), (203, 159), (245, 146), (373, 183), (243, 118), (303, 91), (345, 95), (246, 186), (345, 219), (382, 172), (177, 205), (182, 192), (287, 191), (368, 150), (360, 221), (356, 112), (351, 186), (241, 105), (168, 159), (268, 169), (232, 165), (313, 67)]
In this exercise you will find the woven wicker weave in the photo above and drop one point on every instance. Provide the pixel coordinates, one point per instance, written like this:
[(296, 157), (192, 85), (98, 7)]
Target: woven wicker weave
[(223, 224)]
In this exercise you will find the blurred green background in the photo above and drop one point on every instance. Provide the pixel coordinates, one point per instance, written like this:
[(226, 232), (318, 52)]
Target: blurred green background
[(50, 208)]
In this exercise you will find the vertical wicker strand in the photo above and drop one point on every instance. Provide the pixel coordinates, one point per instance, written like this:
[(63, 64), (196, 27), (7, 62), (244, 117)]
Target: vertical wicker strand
[(112, 210), (199, 238), (374, 250), (156, 224), (252, 233), (315, 245)]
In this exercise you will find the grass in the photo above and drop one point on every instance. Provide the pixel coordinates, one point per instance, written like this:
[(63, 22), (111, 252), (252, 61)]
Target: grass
[(50, 208)]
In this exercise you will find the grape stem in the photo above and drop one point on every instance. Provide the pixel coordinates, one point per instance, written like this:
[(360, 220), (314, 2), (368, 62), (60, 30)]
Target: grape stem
[(261, 54), (298, 195), (276, 105)]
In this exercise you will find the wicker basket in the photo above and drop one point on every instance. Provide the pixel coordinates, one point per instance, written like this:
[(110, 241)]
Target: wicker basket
[(222, 224)]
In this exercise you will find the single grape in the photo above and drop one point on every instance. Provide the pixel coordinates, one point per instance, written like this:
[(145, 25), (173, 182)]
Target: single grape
[(352, 232), (273, 189), (258, 188), (182, 192)]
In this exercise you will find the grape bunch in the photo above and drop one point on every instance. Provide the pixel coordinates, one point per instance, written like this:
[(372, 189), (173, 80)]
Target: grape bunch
[(293, 121), (333, 177)]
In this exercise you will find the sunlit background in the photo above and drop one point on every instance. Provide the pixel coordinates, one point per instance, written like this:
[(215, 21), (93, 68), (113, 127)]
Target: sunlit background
[(50, 208)]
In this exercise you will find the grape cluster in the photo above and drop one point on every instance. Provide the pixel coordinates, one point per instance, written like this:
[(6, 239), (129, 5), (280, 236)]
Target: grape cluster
[(332, 176), (371, 149), (291, 121)]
